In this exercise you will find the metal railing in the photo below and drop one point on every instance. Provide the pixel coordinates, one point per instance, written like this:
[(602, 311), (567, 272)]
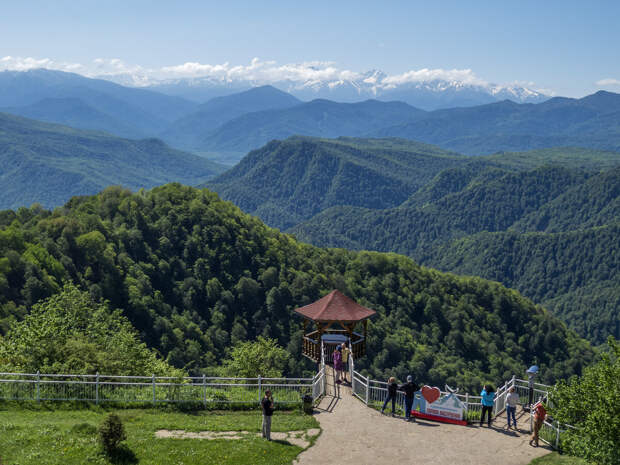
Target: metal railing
[(373, 393), (156, 389)]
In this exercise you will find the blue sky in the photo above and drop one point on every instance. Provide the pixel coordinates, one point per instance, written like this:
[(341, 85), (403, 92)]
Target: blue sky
[(565, 46)]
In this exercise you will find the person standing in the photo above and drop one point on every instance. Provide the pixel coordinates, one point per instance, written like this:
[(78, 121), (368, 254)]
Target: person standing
[(267, 405), (488, 399), (512, 400), (337, 355), (392, 387), (409, 388), (345, 360), (540, 413)]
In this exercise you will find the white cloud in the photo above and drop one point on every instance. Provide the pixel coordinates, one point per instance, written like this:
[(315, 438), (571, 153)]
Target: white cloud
[(26, 63), (465, 76), (608, 82), (298, 75)]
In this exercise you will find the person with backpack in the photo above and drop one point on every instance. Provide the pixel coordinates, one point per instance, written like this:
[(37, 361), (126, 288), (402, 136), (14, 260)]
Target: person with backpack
[(392, 388), (409, 388), (267, 406), (488, 399)]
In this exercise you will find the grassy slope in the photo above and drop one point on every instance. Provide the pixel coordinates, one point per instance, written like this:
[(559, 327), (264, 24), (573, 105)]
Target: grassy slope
[(556, 459), (46, 436)]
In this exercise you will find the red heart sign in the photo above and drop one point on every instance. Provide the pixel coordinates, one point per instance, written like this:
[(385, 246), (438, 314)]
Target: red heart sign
[(431, 394)]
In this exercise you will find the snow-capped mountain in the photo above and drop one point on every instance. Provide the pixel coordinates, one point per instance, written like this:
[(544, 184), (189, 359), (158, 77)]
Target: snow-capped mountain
[(427, 94)]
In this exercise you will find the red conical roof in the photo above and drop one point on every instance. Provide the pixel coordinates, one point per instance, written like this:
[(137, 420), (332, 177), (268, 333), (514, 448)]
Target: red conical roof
[(335, 306)]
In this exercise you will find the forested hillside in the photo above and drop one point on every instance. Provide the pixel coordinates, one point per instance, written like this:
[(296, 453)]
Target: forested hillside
[(287, 182), (445, 224), (574, 274), (194, 275), (491, 200), (47, 163)]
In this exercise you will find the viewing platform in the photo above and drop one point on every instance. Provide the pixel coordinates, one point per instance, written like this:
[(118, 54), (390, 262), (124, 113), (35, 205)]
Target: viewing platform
[(334, 309)]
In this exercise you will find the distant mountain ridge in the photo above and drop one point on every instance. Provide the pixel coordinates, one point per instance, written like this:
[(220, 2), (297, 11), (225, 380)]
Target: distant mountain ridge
[(188, 131), (428, 94), (139, 112), (226, 128), (592, 121), (48, 163)]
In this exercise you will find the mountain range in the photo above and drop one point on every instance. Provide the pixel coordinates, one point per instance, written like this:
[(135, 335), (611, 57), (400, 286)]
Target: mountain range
[(225, 128), (428, 93), (69, 98), (48, 163)]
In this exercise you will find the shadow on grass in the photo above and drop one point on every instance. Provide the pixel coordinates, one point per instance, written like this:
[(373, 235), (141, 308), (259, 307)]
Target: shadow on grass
[(282, 441), (123, 455)]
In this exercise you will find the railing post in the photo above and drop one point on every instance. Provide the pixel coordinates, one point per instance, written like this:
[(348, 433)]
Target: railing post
[(97, 390), (259, 383), (367, 389), (557, 435), (154, 395), (204, 390), (38, 386)]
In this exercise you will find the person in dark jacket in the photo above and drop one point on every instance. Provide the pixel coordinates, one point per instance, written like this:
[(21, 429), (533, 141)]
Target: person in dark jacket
[(267, 405), (392, 387), (409, 388)]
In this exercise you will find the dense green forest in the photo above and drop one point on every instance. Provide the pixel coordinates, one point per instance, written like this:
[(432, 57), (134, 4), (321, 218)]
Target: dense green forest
[(48, 163), (445, 224), (287, 182), (574, 274), (195, 276)]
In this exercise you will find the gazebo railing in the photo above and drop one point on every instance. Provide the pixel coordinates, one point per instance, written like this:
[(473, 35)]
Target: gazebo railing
[(311, 345)]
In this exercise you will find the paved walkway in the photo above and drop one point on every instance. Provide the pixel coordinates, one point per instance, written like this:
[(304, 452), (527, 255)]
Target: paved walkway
[(358, 435)]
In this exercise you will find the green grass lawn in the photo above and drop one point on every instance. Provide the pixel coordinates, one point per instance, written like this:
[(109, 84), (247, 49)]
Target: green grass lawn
[(49, 434), (556, 459)]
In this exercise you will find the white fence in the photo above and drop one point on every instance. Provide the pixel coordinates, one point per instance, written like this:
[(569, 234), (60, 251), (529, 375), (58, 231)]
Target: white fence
[(374, 393), (156, 389)]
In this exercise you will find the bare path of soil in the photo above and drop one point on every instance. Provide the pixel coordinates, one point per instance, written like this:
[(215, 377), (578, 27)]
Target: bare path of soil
[(354, 434)]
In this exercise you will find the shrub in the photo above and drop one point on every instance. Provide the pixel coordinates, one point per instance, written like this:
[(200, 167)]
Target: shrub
[(111, 433)]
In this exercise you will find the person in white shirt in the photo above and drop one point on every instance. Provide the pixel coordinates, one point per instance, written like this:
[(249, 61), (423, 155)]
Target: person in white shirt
[(512, 400)]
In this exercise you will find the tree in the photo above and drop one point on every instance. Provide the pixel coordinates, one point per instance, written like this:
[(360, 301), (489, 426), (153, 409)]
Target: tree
[(71, 333), (592, 404), (262, 357)]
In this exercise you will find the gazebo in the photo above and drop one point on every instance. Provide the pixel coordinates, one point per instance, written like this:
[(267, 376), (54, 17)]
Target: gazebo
[(334, 308)]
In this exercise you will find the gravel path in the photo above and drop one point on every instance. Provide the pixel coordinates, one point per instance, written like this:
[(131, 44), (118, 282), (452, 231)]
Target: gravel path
[(355, 434)]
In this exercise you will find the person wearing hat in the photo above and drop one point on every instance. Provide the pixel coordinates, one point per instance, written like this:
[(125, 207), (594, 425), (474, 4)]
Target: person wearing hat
[(409, 388)]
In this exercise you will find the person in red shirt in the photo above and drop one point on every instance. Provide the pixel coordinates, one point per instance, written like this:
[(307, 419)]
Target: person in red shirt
[(539, 417)]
